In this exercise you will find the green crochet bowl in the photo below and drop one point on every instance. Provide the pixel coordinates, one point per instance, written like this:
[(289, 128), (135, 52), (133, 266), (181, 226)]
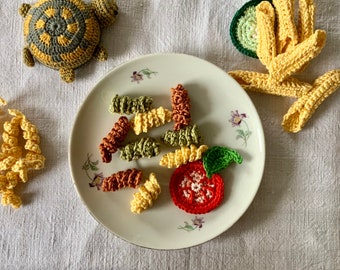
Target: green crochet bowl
[(243, 29)]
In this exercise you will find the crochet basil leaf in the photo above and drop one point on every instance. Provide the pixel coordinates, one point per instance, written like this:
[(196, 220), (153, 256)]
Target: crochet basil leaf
[(217, 158)]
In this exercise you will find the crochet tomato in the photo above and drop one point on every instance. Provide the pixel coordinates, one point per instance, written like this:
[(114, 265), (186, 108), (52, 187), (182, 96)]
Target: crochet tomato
[(192, 191)]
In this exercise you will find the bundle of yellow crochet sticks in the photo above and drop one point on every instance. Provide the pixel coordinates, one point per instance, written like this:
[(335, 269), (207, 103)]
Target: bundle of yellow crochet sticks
[(285, 49)]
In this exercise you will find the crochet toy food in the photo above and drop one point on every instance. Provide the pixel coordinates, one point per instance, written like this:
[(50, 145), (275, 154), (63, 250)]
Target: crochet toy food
[(182, 156), (180, 103), (65, 34), (141, 148), (243, 29), (20, 153), (196, 187), (129, 105), (183, 137), (143, 122), (147, 194), (285, 49), (192, 191), (114, 139), (129, 178)]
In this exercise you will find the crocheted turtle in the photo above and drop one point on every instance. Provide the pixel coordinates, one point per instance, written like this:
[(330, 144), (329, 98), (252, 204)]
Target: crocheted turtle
[(65, 34)]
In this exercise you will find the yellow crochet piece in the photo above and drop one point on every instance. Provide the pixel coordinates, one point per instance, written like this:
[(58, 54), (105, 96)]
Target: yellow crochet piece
[(302, 109), (266, 48), (306, 19), (9, 198), (16, 160), (143, 122), (285, 50), (259, 82), (2, 102), (147, 194), (182, 156), (286, 32)]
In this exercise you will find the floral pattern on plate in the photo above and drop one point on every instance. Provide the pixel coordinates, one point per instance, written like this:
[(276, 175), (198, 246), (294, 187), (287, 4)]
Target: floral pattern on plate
[(196, 223), (138, 76), (238, 120), (91, 166)]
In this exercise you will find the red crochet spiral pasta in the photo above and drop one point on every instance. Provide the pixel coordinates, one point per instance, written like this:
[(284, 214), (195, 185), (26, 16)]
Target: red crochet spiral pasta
[(114, 139), (129, 178), (180, 107)]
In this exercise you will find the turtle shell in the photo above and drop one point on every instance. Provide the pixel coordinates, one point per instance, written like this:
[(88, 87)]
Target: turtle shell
[(61, 33)]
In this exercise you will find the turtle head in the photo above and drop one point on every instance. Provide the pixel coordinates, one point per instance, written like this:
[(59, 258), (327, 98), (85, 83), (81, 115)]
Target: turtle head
[(106, 11), (24, 8)]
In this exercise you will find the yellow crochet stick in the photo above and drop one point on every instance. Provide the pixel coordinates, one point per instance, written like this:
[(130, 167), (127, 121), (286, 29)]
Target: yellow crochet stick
[(302, 110), (287, 33), (266, 47), (306, 19)]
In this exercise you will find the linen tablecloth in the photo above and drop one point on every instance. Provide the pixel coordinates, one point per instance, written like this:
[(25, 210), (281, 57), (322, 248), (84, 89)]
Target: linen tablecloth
[(294, 220)]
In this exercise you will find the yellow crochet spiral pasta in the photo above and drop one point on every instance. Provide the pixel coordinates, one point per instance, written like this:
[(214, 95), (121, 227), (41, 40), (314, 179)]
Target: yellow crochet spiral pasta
[(182, 156), (10, 198), (147, 194), (16, 160), (143, 122)]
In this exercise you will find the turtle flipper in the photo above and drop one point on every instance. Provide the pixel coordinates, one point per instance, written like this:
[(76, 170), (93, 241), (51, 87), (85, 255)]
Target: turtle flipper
[(100, 53), (67, 74), (24, 8), (106, 11), (28, 57)]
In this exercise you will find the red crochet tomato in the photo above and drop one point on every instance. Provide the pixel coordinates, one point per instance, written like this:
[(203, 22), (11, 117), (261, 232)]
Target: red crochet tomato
[(192, 191)]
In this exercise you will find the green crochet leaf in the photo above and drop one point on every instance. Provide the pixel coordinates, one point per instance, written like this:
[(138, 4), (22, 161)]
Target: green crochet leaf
[(243, 29), (217, 158)]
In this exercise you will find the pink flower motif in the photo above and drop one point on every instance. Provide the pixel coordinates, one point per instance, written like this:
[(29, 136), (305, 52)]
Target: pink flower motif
[(136, 77), (242, 132), (198, 221), (97, 180), (236, 118)]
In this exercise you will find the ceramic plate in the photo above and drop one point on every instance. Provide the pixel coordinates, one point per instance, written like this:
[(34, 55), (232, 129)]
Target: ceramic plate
[(226, 117)]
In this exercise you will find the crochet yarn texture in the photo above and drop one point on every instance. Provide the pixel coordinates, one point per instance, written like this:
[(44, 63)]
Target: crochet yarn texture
[(143, 122), (65, 34), (243, 29), (16, 160), (193, 192), (183, 156), (128, 178), (129, 105), (180, 103), (114, 139), (146, 196), (286, 49), (217, 158), (141, 148), (183, 137)]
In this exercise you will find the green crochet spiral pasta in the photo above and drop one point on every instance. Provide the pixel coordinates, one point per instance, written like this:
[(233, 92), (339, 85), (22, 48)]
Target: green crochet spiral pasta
[(144, 147), (130, 105), (183, 137)]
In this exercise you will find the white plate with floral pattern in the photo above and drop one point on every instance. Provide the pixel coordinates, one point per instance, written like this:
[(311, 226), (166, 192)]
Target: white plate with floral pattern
[(226, 117)]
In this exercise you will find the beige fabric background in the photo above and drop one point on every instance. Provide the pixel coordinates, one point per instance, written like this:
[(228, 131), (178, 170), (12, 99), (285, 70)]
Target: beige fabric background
[(293, 222)]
